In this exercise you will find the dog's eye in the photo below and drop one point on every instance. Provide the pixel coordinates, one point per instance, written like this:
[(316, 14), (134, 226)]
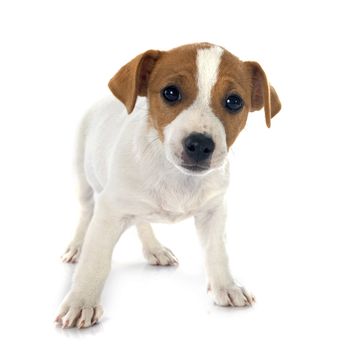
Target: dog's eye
[(234, 103), (171, 94)]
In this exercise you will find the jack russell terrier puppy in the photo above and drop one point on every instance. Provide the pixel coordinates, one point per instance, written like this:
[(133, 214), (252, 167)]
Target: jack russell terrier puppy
[(161, 158)]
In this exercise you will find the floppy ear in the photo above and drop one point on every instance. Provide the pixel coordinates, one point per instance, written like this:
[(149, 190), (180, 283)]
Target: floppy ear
[(262, 93), (132, 79)]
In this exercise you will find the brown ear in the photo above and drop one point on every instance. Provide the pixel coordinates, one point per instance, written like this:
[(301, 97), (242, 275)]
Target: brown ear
[(132, 79), (262, 93)]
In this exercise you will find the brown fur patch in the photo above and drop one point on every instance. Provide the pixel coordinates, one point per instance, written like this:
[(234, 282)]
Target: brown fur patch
[(132, 79), (248, 80), (176, 67), (262, 93), (232, 79)]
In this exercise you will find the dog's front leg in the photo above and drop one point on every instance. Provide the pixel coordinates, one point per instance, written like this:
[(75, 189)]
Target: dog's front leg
[(210, 226), (81, 307)]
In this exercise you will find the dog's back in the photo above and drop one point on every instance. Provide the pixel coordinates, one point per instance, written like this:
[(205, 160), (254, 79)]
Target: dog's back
[(97, 135)]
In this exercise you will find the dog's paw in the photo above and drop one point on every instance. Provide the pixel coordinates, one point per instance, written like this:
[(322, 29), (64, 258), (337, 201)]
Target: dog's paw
[(160, 256), (75, 314), (72, 253), (232, 295)]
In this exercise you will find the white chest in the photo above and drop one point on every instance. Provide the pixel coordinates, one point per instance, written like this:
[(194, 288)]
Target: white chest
[(169, 204)]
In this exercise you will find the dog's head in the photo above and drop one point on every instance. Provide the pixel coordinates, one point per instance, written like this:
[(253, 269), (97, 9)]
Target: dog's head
[(199, 97)]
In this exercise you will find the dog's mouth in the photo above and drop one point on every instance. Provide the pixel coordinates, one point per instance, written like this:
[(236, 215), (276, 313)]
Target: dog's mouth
[(196, 168)]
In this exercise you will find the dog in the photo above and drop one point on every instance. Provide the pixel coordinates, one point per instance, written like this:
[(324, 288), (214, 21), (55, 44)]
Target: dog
[(156, 151)]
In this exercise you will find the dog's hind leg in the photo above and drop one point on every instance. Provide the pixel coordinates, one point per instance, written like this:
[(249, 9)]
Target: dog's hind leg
[(154, 252), (86, 199)]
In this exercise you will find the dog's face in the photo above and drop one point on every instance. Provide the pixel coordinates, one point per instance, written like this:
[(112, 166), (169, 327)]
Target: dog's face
[(199, 97)]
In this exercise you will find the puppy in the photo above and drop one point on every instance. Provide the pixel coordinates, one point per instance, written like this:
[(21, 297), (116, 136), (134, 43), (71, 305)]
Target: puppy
[(157, 151)]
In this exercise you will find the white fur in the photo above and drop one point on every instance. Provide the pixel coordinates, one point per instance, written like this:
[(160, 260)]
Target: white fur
[(129, 177), (208, 61)]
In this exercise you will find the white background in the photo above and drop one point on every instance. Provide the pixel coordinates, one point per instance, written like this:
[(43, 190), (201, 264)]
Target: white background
[(289, 225)]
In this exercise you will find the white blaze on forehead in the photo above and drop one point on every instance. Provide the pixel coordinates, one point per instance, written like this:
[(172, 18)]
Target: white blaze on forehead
[(208, 61)]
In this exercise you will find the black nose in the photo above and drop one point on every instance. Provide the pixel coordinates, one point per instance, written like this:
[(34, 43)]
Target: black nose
[(198, 146)]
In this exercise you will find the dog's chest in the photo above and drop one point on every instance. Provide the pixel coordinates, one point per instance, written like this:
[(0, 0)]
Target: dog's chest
[(170, 210), (167, 211), (172, 203)]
